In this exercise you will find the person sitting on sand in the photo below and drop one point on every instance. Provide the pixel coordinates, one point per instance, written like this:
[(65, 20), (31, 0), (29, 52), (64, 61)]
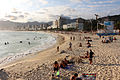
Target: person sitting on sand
[(69, 61), (89, 45), (88, 42), (87, 55), (80, 45), (91, 56), (78, 79), (56, 66), (62, 64), (103, 41), (66, 61), (74, 76), (53, 77), (114, 38)]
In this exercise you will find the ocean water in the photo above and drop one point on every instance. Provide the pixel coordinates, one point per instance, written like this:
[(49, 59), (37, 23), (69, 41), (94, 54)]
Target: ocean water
[(16, 44)]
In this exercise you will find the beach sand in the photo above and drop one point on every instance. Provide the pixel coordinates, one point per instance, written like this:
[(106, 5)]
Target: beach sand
[(39, 66)]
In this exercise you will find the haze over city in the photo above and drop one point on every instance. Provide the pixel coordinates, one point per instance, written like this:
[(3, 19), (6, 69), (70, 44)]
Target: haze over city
[(50, 10)]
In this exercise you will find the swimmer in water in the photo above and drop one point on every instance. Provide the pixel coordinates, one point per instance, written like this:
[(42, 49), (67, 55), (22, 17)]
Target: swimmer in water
[(20, 41), (5, 43), (29, 43)]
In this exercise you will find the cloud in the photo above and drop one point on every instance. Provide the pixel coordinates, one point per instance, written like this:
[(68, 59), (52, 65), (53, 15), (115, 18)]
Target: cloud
[(21, 16), (79, 1), (102, 2), (40, 12), (26, 13), (44, 2), (27, 10), (53, 17), (11, 17), (76, 0), (47, 14), (15, 11)]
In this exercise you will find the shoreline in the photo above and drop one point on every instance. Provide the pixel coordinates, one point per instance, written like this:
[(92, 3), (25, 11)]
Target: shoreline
[(29, 56), (19, 57)]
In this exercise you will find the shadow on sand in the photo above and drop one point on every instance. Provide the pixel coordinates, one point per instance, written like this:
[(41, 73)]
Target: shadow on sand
[(107, 64), (98, 64), (3, 75)]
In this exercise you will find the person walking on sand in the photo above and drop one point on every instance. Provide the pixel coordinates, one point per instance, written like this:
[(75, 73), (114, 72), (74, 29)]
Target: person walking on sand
[(70, 46), (57, 48), (91, 56)]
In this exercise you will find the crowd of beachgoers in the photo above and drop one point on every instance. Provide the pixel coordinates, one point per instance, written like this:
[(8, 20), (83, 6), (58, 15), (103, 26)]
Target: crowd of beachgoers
[(76, 56)]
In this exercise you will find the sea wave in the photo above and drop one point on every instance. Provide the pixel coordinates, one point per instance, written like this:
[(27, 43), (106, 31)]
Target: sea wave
[(47, 43)]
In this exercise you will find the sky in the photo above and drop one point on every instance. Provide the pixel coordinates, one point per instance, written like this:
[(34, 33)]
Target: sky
[(50, 10)]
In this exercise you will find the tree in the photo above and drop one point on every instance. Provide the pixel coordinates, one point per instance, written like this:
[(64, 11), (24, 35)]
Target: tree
[(117, 25)]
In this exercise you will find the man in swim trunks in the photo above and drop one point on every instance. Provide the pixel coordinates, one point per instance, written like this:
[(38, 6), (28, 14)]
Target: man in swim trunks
[(91, 56)]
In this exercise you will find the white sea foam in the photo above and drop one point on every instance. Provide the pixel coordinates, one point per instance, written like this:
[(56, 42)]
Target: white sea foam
[(14, 50)]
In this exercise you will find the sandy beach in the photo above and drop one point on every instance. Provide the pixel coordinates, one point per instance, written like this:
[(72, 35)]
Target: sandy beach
[(39, 66)]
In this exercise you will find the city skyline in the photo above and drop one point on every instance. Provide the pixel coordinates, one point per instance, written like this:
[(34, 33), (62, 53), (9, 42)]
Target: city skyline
[(49, 10)]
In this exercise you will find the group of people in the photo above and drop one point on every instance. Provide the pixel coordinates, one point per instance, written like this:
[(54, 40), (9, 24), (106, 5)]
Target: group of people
[(20, 42), (64, 64), (6, 43), (109, 39), (72, 38), (89, 55), (75, 77)]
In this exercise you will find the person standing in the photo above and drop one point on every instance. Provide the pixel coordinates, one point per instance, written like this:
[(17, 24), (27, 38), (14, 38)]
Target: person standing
[(57, 48), (70, 46), (91, 56), (71, 38)]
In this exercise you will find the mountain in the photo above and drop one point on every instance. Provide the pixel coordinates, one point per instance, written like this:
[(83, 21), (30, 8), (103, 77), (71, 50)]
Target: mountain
[(114, 18), (9, 25)]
